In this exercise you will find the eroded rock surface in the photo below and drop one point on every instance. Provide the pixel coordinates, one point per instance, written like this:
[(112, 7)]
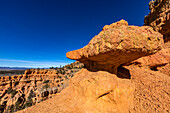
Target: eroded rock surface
[(155, 61), (22, 91), (97, 91), (152, 90), (90, 92), (117, 44), (35, 85), (159, 17)]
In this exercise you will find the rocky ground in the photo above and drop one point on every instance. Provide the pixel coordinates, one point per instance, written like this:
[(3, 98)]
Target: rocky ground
[(34, 86), (126, 70)]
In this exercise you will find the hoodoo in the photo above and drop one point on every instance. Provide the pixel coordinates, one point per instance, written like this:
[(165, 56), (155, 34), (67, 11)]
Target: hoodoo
[(123, 69), (117, 44), (97, 88)]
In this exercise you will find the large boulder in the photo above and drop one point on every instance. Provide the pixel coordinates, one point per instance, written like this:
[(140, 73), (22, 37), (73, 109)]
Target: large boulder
[(117, 44), (98, 88)]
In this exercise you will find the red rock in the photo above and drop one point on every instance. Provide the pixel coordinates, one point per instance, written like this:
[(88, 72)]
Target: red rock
[(151, 90), (36, 82), (159, 59), (93, 92), (164, 69), (117, 44), (159, 17)]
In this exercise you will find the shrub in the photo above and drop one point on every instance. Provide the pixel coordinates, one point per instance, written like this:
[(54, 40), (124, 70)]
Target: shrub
[(29, 101), (46, 86), (9, 90), (1, 108), (31, 95), (12, 92), (46, 81)]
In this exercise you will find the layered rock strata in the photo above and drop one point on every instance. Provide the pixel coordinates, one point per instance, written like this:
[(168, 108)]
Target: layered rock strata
[(159, 17), (35, 85), (95, 88), (156, 61), (90, 92)]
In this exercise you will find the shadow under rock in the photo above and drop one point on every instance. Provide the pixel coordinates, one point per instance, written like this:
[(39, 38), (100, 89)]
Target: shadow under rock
[(123, 73)]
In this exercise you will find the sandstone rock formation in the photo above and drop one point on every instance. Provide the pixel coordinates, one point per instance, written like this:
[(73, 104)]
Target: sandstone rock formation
[(155, 61), (117, 44), (140, 86), (35, 85), (159, 17), (20, 91), (90, 92), (96, 89)]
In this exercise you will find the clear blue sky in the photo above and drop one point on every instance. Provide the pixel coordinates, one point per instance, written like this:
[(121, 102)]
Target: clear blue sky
[(38, 33)]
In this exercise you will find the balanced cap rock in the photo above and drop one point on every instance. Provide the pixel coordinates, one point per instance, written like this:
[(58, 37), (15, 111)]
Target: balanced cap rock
[(118, 44), (103, 92)]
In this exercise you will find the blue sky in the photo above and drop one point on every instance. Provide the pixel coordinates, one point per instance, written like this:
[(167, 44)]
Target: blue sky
[(38, 33)]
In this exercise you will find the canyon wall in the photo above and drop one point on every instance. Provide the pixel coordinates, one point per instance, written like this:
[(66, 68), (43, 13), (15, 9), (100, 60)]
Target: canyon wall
[(126, 69), (113, 80), (34, 86)]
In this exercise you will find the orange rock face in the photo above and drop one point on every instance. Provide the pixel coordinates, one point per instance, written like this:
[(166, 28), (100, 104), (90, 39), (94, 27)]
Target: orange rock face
[(117, 44), (21, 91), (159, 17), (91, 92), (151, 90), (161, 58), (97, 91)]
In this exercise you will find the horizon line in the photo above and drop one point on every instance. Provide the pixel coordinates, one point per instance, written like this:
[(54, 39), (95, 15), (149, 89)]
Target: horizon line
[(31, 64)]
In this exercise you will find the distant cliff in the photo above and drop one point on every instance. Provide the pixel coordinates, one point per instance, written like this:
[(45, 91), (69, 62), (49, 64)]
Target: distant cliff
[(35, 85), (111, 82)]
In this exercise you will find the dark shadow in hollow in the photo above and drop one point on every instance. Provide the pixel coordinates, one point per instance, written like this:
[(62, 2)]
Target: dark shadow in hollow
[(123, 73), (154, 68)]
